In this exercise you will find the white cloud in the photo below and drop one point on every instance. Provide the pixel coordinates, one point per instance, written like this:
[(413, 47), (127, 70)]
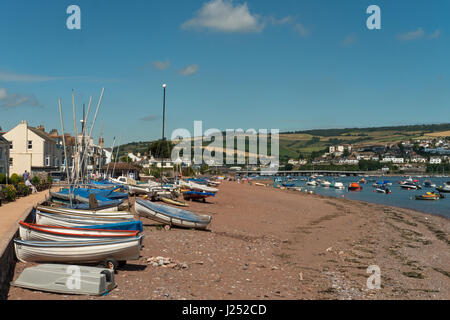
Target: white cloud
[(281, 21), (16, 77), (161, 65), (418, 34), (189, 70), (412, 35), (435, 34), (222, 15), (14, 100), (299, 28), (350, 39)]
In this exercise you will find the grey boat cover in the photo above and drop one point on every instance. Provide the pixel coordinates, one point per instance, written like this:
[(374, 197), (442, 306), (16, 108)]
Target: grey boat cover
[(67, 279)]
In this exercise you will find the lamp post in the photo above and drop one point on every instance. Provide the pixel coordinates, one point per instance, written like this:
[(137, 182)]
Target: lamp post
[(164, 109), (164, 120)]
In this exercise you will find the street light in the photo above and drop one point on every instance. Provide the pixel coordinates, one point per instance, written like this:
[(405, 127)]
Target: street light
[(164, 109)]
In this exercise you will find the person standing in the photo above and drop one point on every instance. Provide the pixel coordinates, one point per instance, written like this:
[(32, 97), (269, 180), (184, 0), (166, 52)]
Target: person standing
[(25, 176)]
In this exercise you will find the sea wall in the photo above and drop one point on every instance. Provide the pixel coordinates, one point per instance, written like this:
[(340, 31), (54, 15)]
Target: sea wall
[(7, 255)]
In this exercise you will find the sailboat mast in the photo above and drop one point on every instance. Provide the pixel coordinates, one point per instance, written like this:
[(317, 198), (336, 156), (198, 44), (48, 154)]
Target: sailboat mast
[(65, 149)]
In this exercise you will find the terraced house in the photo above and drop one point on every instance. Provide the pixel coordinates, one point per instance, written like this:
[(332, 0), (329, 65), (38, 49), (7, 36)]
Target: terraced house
[(32, 149), (4, 155)]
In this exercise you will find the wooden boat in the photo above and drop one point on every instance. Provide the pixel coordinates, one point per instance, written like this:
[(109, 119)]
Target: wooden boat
[(172, 216), (63, 210), (77, 251), (354, 186), (36, 232), (174, 202), (54, 278), (50, 219), (87, 214)]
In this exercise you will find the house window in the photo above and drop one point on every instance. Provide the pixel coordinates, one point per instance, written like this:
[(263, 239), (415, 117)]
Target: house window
[(30, 144), (10, 145), (1, 153), (10, 161), (47, 161)]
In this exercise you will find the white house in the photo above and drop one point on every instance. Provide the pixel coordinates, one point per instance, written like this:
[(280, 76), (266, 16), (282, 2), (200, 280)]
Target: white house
[(392, 159), (435, 160), (32, 149), (348, 161), (418, 159), (134, 158), (4, 156)]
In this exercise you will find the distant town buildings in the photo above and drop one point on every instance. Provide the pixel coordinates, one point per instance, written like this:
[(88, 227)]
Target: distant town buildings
[(36, 151)]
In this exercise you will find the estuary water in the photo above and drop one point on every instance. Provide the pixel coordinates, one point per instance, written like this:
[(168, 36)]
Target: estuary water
[(398, 197)]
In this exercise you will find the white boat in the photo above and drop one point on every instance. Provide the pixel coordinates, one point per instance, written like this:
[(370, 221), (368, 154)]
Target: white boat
[(50, 219), (35, 232), (339, 185), (408, 185), (171, 215), (54, 277), (325, 183), (312, 183), (82, 214), (60, 210), (77, 251), (138, 190), (197, 187)]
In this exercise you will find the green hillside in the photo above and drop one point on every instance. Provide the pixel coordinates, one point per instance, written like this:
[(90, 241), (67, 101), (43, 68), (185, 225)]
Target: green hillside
[(304, 143)]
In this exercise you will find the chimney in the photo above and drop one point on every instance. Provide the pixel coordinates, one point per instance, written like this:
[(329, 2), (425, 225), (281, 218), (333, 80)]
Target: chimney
[(41, 127), (54, 132)]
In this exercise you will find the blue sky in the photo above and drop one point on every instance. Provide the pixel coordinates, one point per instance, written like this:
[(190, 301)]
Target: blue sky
[(285, 64)]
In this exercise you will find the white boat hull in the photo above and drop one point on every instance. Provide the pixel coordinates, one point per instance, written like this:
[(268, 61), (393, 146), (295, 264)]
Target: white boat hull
[(87, 213), (77, 252), (138, 190), (49, 219), (53, 233), (158, 217)]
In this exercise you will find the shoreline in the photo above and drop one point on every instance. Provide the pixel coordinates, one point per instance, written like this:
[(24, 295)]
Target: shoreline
[(266, 243), (375, 203)]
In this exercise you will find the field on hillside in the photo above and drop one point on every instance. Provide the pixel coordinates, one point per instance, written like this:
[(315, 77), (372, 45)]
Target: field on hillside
[(294, 144)]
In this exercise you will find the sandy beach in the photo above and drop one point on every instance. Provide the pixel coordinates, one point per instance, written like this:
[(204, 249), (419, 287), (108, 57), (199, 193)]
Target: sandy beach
[(266, 243)]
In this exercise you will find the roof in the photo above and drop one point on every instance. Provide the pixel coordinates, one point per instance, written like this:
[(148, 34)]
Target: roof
[(41, 134), (122, 166), (3, 140)]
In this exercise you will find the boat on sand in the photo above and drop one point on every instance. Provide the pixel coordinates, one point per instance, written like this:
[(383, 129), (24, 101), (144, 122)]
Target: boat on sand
[(170, 215)]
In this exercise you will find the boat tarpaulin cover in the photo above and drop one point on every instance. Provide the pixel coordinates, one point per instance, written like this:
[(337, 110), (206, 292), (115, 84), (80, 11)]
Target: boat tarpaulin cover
[(131, 225)]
